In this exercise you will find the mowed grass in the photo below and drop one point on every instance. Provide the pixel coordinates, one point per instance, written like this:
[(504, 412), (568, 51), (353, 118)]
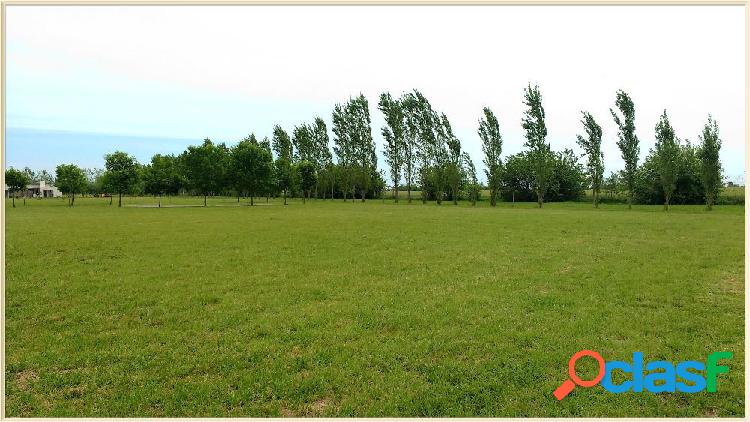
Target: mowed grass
[(351, 309)]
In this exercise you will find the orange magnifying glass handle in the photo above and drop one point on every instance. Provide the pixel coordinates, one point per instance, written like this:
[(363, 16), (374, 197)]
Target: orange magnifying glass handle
[(564, 389)]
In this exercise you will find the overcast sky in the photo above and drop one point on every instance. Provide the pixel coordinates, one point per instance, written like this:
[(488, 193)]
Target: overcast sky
[(190, 72)]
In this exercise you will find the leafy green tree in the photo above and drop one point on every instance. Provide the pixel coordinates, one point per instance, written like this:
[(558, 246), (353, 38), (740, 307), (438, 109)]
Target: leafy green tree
[(492, 146), (688, 185), (566, 182), (393, 133), (454, 169), (425, 129), (283, 170), (17, 181), (708, 153), (628, 141), (536, 133), (667, 152), (93, 178), (270, 185), (592, 147), (323, 157), (353, 145), (282, 144), (122, 173), (41, 175), (344, 148), (358, 115), (613, 184), (307, 176), (251, 167), (205, 167), (304, 145), (162, 176), (409, 108), (70, 179), (472, 185)]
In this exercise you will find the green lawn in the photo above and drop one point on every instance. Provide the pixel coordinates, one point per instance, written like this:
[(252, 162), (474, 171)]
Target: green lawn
[(351, 309)]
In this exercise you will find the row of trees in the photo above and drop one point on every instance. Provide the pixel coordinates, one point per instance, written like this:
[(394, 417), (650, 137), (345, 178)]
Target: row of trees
[(420, 149)]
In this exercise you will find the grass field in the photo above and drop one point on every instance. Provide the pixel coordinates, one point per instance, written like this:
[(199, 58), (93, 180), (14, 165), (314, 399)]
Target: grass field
[(351, 309)]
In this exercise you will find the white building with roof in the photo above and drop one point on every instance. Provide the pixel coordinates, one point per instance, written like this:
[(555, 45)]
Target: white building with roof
[(40, 189)]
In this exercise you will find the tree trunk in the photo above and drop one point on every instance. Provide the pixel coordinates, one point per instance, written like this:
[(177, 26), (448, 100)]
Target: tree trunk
[(24, 200), (73, 199), (455, 195), (395, 192), (408, 191), (303, 197), (119, 200), (284, 196), (493, 197), (110, 200), (159, 200), (205, 200), (252, 201), (13, 200)]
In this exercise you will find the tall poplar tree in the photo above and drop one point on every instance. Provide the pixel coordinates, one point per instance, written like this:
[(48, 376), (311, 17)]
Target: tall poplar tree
[(667, 152), (323, 157), (304, 145), (393, 133), (423, 124), (282, 146), (536, 134), (492, 146), (354, 145), (454, 170), (628, 141), (592, 147), (708, 153), (411, 143), (472, 182), (344, 148)]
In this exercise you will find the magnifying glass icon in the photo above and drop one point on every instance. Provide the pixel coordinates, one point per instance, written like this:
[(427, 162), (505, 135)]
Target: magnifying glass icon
[(566, 387)]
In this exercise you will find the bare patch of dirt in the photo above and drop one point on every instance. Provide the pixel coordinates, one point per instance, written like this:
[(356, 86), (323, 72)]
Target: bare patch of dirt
[(25, 377), (287, 412)]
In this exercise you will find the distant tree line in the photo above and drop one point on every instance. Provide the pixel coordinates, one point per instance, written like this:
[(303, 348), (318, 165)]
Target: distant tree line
[(422, 153)]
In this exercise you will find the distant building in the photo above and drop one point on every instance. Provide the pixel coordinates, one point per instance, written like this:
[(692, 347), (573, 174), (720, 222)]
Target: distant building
[(39, 189)]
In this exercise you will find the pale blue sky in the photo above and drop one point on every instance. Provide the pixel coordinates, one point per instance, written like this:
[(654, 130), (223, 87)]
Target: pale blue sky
[(85, 80)]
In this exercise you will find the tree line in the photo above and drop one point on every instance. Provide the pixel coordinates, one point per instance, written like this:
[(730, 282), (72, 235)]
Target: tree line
[(422, 153)]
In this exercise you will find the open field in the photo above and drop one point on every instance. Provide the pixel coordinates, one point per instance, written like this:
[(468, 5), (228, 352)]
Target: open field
[(374, 309)]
